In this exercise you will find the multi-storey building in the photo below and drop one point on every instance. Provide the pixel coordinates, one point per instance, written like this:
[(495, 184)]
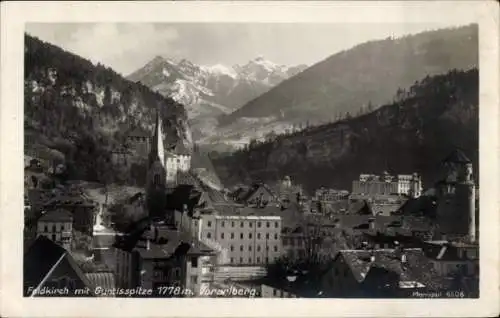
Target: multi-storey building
[(249, 236), (56, 225), (370, 184), (161, 258)]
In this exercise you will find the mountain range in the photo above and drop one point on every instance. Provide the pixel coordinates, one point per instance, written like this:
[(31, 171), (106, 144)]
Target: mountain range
[(210, 91), (78, 112), (230, 106), (412, 134)]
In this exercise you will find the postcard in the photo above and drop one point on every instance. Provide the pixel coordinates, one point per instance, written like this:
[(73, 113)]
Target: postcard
[(227, 159)]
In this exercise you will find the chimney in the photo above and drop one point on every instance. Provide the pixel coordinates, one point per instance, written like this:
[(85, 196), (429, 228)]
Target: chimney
[(403, 258), (371, 223)]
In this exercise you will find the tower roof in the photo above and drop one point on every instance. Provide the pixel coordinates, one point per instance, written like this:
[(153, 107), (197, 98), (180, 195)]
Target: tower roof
[(456, 156), (157, 147)]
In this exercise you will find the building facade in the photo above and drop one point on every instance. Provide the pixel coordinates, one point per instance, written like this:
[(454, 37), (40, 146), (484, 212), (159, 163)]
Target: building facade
[(249, 236), (57, 226), (370, 184)]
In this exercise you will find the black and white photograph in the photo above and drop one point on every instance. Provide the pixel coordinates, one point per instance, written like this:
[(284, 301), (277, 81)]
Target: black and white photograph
[(249, 160)]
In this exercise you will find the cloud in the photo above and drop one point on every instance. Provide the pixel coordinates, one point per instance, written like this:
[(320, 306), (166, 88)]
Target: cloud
[(125, 47)]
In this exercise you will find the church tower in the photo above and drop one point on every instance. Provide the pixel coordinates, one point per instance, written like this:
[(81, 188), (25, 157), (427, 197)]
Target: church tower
[(457, 197), (156, 174)]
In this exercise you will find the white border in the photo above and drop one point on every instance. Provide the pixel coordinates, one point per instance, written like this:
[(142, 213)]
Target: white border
[(15, 14)]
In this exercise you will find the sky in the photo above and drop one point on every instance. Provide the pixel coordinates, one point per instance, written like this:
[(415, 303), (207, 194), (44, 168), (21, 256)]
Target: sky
[(126, 47)]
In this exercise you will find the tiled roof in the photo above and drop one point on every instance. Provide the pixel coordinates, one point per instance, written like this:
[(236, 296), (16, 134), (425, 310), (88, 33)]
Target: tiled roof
[(44, 259), (416, 267), (58, 215), (137, 132), (164, 242), (457, 156)]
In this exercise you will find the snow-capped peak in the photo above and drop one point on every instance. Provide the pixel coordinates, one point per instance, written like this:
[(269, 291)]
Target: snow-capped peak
[(220, 70)]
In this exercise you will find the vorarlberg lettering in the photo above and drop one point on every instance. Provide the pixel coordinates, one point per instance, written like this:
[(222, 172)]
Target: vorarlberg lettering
[(228, 292)]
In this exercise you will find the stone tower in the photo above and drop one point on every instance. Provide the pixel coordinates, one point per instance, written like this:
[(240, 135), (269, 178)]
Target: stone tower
[(156, 174), (456, 193), (415, 186)]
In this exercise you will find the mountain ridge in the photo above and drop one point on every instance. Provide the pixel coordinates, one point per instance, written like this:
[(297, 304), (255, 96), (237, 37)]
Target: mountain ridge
[(434, 116), (348, 80)]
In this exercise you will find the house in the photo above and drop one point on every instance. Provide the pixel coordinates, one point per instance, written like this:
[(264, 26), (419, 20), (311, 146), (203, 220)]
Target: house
[(452, 258), (121, 156), (49, 270), (295, 242), (138, 141), (385, 273), (57, 225), (155, 256), (80, 207), (256, 195)]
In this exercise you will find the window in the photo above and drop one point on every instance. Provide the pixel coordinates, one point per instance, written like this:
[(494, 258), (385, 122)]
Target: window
[(156, 179), (275, 248), (46, 228), (222, 235), (285, 241), (250, 248), (222, 224), (232, 224), (62, 227), (53, 237), (258, 259), (259, 224), (249, 235), (194, 279), (209, 235), (267, 259), (232, 248), (276, 224), (241, 260), (250, 224), (232, 235), (242, 224), (267, 224), (54, 229), (258, 248), (249, 260), (275, 292), (232, 260), (241, 235), (258, 235), (241, 248), (209, 223), (267, 248), (194, 262), (267, 236)]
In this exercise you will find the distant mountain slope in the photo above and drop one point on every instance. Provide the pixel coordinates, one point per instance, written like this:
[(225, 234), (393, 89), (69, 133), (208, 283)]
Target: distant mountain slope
[(209, 91), (370, 72), (83, 110), (414, 133)]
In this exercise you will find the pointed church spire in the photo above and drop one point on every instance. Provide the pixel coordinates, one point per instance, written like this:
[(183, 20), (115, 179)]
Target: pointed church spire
[(157, 148)]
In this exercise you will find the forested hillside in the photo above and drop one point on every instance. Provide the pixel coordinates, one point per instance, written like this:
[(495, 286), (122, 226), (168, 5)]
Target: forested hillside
[(367, 73), (414, 133), (78, 112)]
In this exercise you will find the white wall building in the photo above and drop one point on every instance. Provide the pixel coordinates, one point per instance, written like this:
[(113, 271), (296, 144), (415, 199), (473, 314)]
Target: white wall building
[(57, 225)]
